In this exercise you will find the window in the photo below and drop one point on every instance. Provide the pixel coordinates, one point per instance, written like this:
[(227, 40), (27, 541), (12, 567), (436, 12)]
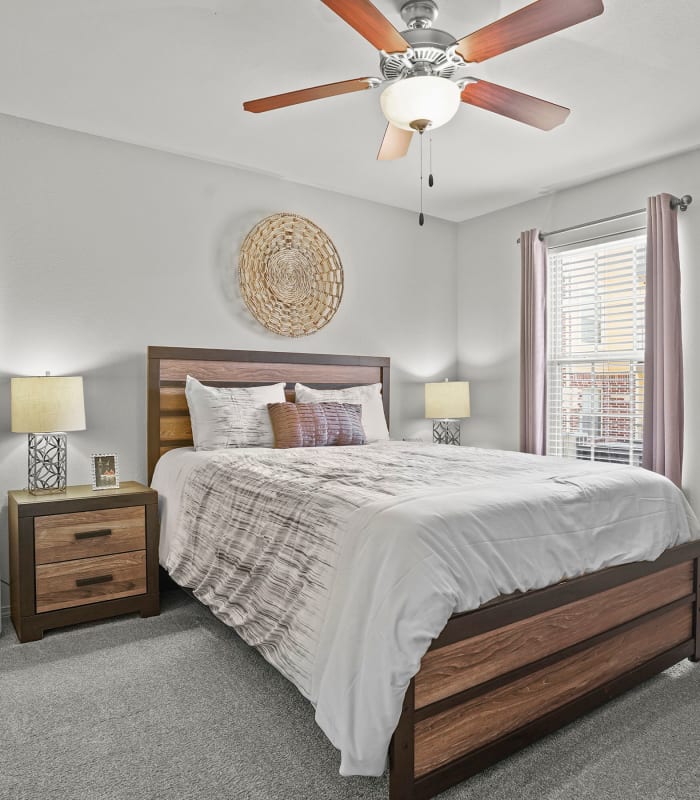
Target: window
[(595, 359)]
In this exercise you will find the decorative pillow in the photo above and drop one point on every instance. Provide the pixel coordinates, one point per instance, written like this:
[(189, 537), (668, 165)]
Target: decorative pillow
[(228, 417), (316, 424), (369, 397)]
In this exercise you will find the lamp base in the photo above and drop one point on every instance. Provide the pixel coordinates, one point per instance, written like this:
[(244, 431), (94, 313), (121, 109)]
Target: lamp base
[(47, 463), (446, 431)]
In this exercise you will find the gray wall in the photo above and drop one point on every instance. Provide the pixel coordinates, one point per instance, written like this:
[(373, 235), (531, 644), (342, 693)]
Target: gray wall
[(106, 248), (489, 294)]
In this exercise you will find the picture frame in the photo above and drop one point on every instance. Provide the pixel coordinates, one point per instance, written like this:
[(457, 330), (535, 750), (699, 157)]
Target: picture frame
[(105, 471)]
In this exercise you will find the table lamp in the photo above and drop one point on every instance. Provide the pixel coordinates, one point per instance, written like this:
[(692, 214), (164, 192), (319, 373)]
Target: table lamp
[(45, 408), (446, 403)]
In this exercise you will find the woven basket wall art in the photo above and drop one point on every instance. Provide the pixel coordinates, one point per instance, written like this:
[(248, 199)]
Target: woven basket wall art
[(290, 275)]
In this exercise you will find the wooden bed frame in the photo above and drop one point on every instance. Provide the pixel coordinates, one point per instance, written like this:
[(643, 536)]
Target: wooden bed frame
[(514, 670)]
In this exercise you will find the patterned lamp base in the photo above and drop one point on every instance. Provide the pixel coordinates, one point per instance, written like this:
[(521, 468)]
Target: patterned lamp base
[(47, 463), (446, 431)]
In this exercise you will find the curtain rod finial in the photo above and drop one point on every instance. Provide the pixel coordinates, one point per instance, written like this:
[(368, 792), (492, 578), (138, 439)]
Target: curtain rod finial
[(681, 202)]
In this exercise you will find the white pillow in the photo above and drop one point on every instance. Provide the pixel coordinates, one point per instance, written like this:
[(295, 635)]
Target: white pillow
[(231, 417), (369, 397)]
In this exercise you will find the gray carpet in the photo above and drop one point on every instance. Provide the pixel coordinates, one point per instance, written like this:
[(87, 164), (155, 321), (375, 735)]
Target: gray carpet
[(178, 707)]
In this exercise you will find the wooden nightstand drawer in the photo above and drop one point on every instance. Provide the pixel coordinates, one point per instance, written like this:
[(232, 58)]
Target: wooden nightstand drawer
[(82, 555), (89, 580), (64, 537)]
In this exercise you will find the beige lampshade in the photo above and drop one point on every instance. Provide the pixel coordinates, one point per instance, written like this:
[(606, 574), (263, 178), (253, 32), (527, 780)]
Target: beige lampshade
[(47, 404), (447, 400)]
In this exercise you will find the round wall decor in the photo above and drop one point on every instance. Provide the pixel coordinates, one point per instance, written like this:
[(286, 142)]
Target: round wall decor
[(290, 275)]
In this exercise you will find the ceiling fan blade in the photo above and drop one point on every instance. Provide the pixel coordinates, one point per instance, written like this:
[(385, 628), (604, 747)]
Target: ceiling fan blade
[(520, 107), (369, 22), (395, 143), (304, 95), (533, 22)]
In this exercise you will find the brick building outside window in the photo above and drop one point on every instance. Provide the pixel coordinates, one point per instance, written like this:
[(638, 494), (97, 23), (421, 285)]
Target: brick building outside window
[(595, 365)]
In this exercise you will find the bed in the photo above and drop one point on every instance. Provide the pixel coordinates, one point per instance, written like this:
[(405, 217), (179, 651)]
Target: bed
[(518, 667)]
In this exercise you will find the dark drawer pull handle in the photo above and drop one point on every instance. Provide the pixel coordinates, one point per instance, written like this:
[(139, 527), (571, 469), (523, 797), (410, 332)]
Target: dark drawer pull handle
[(96, 579), (93, 534)]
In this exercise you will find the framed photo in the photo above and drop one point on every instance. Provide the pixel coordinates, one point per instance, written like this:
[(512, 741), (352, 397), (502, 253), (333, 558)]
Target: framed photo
[(105, 471)]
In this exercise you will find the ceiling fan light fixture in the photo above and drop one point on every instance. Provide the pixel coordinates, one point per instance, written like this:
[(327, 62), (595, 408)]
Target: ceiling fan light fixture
[(426, 97)]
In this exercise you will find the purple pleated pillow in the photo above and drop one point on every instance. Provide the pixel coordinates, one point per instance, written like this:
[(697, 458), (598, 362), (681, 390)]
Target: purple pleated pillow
[(316, 424)]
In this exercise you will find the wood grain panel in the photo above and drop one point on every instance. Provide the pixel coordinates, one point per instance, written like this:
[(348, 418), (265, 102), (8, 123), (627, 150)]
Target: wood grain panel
[(534, 21), (369, 22), (464, 728), (518, 106), (460, 666), (175, 429), (58, 585), (240, 371), (305, 95), (172, 398), (64, 537), (174, 401)]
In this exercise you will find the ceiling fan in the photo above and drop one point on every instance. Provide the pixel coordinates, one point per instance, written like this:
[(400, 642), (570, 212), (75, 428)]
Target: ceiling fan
[(418, 67)]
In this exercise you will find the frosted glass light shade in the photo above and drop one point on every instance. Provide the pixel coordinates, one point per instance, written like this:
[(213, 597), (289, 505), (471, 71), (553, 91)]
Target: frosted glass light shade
[(425, 97), (447, 400), (47, 404)]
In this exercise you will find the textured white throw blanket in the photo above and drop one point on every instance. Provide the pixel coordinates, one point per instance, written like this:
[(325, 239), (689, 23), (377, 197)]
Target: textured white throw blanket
[(343, 564)]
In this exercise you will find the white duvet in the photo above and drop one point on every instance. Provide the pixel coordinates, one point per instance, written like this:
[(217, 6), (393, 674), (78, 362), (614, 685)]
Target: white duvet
[(414, 533)]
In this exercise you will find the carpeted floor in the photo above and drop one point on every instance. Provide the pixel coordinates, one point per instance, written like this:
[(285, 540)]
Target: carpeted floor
[(178, 707)]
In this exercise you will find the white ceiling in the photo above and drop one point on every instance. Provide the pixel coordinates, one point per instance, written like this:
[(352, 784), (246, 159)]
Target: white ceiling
[(172, 74)]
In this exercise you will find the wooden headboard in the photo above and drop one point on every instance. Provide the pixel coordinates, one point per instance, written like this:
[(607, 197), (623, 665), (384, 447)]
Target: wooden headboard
[(168, 367)]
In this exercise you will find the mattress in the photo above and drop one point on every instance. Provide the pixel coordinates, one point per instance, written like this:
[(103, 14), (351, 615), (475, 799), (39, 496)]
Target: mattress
[(342, 564)]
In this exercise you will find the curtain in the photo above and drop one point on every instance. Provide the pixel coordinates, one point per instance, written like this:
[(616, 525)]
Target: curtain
[(663, 364), (533, 354)]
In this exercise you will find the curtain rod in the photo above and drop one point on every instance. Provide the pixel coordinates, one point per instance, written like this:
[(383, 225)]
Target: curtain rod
[(681, 203)]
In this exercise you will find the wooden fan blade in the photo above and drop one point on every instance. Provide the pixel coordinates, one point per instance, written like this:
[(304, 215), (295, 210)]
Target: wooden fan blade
[(520, 107), (533, 22), (395, 143), (304, 95), (370, 23)]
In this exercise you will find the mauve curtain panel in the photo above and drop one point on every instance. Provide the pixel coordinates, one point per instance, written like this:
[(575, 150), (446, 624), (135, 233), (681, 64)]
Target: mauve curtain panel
[(533, 344), (663, 362)]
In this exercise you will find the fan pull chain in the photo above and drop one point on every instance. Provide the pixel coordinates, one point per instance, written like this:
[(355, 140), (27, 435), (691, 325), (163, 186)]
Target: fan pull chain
[(431, 182), (421, 217)]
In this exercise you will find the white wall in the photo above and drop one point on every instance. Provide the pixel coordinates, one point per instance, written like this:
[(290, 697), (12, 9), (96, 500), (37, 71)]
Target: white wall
[(489, 294), (107, 248)]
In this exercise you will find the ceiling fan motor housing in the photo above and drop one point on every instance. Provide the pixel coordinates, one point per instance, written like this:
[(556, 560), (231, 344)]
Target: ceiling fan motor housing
[(431, 53)]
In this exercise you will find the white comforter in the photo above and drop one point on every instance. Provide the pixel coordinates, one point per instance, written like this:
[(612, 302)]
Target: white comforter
[(412, 534)]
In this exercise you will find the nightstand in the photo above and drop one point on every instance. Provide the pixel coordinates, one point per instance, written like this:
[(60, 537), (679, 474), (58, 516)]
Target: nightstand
[(82, 556)]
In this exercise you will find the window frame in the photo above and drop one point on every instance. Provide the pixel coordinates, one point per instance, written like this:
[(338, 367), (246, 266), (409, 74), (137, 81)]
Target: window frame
[(564, 432)]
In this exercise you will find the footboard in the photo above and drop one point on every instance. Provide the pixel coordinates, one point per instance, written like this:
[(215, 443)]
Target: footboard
[(502, 676)]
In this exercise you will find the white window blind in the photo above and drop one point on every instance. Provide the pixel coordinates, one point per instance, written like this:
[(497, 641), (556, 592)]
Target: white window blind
[(595, 360)]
